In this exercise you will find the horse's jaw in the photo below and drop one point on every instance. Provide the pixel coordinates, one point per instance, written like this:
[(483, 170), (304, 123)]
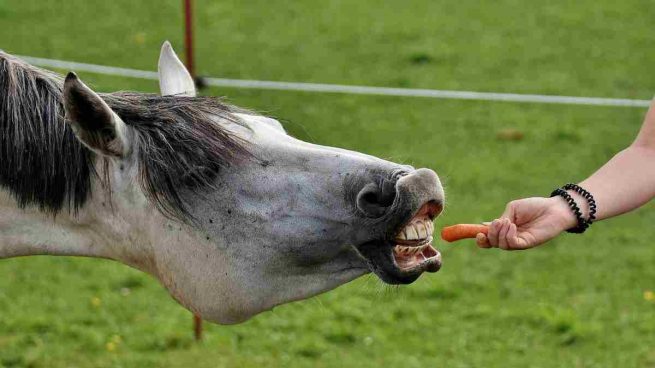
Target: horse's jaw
[(227, 287)]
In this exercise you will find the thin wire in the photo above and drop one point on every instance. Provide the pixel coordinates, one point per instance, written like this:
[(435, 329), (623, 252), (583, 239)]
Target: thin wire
[(338, 88)]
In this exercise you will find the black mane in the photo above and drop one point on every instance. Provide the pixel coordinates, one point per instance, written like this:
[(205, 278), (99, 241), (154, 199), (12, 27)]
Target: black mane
[(179, 145)]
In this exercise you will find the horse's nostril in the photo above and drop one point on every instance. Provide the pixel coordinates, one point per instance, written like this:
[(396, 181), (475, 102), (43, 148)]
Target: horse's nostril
[(373, 199)]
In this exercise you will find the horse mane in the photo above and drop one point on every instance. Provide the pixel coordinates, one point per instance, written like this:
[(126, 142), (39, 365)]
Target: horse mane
[(180, 146)]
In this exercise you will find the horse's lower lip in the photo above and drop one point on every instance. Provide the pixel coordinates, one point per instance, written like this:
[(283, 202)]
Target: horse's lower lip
[(390, 268), (417, 259)]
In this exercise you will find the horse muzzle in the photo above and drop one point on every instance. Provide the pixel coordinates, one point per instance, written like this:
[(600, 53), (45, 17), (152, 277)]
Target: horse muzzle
[(405, 250)]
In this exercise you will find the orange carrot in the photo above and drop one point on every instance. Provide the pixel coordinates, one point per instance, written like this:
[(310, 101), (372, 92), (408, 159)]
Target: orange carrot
[(462, 231)]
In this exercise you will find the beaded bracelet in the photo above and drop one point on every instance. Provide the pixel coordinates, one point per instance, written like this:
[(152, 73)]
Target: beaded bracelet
[(590, 200), (583, 224)]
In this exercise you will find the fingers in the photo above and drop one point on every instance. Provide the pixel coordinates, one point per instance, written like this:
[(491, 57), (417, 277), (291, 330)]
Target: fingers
[(492, 235), (502, 234), (482, 241), (512, 238)]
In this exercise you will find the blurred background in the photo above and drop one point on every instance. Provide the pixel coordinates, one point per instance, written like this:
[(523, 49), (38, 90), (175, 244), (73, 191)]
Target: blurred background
[(581, 301)]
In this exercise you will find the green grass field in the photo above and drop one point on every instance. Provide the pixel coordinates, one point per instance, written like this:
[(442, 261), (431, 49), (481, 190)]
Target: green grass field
[(581, 301)]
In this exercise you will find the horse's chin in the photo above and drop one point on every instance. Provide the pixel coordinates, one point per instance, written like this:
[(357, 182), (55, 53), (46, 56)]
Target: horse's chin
[(409, 253)]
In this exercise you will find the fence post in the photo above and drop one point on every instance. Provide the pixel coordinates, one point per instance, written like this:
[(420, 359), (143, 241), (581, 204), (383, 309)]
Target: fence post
[(188, 37), (188, 50)]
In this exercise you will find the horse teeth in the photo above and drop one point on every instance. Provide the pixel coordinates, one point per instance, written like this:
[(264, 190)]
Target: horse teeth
[(411, 233), (409, 251), (422, 230), (418, 229)]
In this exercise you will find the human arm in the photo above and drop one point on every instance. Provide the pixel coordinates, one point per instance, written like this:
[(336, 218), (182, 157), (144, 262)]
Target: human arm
[(624, 183)]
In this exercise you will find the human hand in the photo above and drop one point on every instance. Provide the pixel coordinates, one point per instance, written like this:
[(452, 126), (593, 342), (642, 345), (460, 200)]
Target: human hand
[(527, 223)]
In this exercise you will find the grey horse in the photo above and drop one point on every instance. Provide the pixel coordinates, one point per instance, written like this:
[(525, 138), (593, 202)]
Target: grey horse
[(231, 214)]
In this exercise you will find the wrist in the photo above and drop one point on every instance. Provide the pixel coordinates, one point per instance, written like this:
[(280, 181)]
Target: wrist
[(567, 216), (581, 202), (566, 219)]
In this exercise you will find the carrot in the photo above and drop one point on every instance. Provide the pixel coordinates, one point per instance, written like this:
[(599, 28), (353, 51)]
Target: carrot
[(462, 231)]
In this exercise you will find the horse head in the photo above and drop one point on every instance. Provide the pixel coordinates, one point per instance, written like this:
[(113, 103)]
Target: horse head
[(233, 215)]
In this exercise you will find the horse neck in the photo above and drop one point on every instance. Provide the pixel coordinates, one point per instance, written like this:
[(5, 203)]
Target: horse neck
[(93, 232)]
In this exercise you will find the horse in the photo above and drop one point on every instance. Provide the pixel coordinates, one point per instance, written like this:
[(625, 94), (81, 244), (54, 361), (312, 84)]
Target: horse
[(231, 214)]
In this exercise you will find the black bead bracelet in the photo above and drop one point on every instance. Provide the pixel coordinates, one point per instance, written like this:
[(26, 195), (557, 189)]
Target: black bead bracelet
[(590, 200), (583, 224)]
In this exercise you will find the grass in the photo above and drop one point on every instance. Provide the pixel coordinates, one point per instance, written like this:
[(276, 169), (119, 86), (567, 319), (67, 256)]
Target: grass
[(581, 301)]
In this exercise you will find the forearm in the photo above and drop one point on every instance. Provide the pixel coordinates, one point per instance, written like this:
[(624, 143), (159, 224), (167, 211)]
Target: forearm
[(624, 183)]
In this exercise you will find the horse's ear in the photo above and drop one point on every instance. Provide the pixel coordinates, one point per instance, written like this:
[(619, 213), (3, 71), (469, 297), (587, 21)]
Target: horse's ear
[(174, 79), (93, 122)]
